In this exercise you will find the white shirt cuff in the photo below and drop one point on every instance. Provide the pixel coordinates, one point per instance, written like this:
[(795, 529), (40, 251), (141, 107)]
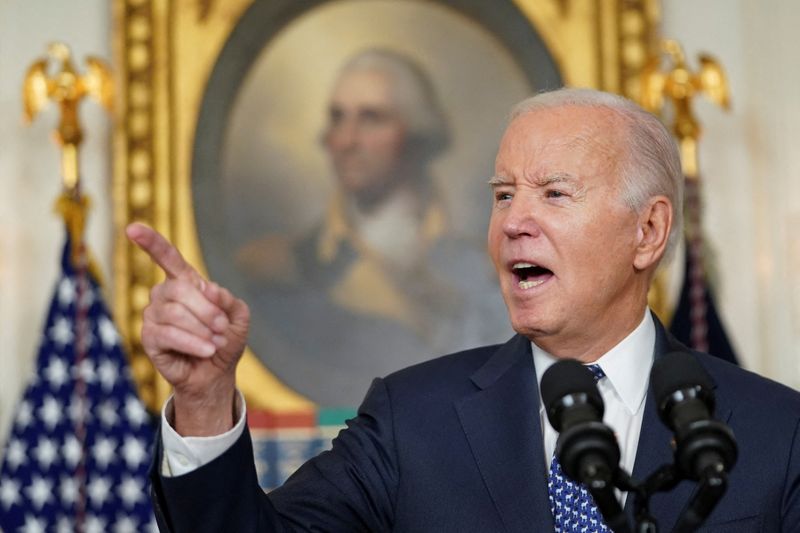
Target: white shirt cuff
[(185, 454)]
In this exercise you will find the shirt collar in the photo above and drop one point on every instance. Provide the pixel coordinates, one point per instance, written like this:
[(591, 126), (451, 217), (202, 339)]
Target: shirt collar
[(626, 365)]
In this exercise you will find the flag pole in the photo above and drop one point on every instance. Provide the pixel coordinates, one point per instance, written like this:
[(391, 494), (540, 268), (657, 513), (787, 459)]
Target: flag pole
[(680, 86), (67, 88)]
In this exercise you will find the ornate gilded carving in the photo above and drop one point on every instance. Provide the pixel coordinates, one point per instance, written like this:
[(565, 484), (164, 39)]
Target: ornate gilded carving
[(135, 177), (638, 41)]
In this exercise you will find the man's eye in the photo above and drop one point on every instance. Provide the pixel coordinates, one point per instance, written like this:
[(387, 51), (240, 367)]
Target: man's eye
[(335, 116), (554, 193), (373, 117), (501, 196)]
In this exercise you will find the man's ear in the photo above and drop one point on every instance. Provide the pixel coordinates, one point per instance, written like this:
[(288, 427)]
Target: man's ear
[(655, 221)]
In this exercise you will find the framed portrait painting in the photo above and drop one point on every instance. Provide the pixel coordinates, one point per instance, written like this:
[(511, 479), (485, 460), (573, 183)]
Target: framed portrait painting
[(327, 161)]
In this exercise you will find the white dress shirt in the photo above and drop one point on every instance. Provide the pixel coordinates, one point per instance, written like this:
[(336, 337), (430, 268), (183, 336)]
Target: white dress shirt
[(185, 454), (626, 366), (624, 389)]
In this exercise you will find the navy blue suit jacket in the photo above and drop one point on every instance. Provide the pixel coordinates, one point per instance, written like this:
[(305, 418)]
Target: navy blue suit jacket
[(455, 444)]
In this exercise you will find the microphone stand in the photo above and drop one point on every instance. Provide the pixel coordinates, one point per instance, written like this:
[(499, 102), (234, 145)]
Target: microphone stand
[(711, 488)]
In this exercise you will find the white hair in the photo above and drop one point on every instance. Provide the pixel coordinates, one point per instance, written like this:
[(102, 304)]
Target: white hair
[(414, 95), (653, 165)]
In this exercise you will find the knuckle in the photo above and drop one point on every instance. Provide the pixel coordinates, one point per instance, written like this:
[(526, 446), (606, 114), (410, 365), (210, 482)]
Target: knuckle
[(149, 315), (172, 313), (156, 291)]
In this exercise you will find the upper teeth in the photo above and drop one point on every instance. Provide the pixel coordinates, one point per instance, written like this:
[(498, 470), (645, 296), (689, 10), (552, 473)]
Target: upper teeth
[(522, 265)]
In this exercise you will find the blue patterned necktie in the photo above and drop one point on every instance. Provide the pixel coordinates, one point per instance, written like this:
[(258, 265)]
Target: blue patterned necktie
[(572, 506)]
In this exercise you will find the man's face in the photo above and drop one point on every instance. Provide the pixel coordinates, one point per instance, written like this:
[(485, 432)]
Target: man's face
[(560, 236), (365, 135)]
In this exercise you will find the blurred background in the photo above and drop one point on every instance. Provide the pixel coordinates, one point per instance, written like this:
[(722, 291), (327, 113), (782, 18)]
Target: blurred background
[(749, 161)]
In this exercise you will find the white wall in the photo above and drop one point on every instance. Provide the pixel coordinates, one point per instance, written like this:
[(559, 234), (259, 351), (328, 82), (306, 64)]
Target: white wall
[(748, 160), (31, 234), (751, 171)]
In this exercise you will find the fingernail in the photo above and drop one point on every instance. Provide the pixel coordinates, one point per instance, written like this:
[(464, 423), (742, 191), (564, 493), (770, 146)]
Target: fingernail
[(219, 341), (209, 350), (202, 285)]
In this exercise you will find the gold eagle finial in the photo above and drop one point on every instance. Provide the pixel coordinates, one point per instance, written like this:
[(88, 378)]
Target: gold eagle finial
[(680, 85), (66, 88)]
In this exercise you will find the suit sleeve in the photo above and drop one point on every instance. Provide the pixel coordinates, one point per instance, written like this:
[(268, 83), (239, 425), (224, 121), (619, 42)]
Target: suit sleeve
[(352, 487), (791, 494)]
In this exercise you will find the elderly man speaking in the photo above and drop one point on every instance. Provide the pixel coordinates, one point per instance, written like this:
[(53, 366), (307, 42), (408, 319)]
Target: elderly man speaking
[(587, 200)]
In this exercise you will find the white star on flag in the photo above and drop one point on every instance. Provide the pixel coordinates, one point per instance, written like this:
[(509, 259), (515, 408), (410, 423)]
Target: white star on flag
[(98, 490), (24, 415), (68, 490), (107, 373), (46, 452), (135, 411), (71, 449), (33, 525), (50, 412), (78, 409), (107, 413), (64, 525), (108, 333), (124, 525), (66, 292), (9, 492), (103, 452), (61, 332), (130, 491), (15, 454), (134, 452), (86, 371), (57, 372), (39, 491), (95, 524)]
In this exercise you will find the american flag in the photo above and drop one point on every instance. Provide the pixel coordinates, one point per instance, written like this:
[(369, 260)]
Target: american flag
[(79, 449), (696, 322)]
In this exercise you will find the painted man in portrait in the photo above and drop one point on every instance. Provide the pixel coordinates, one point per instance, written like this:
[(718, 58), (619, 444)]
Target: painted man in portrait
[(382, 279)]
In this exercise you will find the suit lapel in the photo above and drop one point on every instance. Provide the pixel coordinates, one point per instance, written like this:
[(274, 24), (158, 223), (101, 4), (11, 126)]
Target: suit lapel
[(655, 448), (501, 423)]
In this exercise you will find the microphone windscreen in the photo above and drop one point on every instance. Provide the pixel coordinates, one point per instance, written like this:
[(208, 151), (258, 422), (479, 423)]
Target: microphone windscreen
[(676, 371), (564, 377)]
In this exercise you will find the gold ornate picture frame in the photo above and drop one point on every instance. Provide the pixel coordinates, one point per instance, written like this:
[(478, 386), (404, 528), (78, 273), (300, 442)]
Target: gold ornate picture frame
[(180, 62)]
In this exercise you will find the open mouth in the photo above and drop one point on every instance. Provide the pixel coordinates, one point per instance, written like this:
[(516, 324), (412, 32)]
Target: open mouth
[(529, 276)]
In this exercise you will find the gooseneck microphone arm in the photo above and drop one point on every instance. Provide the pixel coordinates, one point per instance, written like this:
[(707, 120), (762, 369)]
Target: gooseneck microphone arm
[(711, 488)]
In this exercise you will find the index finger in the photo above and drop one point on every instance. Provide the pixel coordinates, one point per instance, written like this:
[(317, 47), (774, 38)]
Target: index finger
[(159, 249)]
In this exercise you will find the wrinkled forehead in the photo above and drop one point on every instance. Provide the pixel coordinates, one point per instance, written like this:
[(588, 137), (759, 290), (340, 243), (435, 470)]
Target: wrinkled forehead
[(574, 139)]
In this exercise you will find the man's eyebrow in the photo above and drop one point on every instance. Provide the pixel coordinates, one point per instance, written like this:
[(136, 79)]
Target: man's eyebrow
[(497, 181), (559, 177)]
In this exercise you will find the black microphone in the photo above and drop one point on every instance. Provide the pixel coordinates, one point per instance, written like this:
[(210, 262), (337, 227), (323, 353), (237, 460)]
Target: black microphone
[(685, 399), (586, 449), (705, 449)]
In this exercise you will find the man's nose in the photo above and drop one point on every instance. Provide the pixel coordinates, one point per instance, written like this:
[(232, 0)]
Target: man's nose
[(343, 135), (522, 218)]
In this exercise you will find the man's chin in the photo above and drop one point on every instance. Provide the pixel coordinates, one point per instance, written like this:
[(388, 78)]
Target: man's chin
[(530, 328)]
